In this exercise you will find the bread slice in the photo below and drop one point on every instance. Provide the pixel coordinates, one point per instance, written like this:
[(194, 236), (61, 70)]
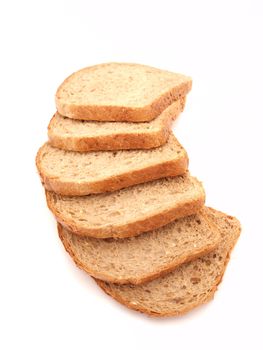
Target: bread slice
[(119, 92), (79, 174), (189, 285), (82, 136), (131, 211), (145, 257)]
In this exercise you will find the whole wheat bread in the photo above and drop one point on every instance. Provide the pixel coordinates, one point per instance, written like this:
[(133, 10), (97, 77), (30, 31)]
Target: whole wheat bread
[(82, 136), (189, 285), (78, 174), (145, 257), (130, 211), (119, 92)]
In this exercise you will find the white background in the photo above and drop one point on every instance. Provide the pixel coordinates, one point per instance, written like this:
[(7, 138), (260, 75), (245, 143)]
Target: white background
[(46, 302)]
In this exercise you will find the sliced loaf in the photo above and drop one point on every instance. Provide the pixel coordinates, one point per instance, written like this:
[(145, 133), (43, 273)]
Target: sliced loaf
[(130, 211), (189, 285), (145, 257), (78, 174), (119, 92), (82, 136)]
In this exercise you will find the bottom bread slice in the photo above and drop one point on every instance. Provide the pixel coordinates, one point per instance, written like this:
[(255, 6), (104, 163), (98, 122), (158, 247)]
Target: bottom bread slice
[(188, 286), (145, 257)]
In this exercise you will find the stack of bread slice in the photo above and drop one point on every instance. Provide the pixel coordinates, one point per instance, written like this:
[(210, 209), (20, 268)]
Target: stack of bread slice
[(117, 181)]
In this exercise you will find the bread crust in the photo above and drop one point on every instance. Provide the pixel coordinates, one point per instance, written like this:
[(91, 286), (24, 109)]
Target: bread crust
[(121, 141), (132, 229), (121, 113), (106, 287), (172, 167), (163, 270)]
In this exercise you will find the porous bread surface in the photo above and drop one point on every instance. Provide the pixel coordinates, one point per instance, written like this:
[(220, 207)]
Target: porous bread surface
[(130, 211), (142, 258), (189, 285), (75, 173), (80, 135), (90, 165), (119, 92)]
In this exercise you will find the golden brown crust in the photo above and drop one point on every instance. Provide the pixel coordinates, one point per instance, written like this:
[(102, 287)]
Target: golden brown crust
[(144, 278), (174, 167), (121, 113), (131, 229)]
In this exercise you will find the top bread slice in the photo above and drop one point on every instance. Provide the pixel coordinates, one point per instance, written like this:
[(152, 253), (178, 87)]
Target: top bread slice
[(119, 92), (145, 257), (78, 174), (83, 136), (189, 285)]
